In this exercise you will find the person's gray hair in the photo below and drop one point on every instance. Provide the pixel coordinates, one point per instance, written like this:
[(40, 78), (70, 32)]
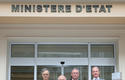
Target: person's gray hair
[(44, 69), (75, 69), (95, 67)]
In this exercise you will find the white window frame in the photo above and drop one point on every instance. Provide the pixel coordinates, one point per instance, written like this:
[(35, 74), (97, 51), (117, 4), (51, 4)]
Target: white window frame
[(56, 61)]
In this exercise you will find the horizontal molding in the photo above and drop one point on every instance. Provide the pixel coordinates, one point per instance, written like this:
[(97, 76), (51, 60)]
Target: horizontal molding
[(65, 1), (62, 40), (102, 61), (62, 20), (64, 26)]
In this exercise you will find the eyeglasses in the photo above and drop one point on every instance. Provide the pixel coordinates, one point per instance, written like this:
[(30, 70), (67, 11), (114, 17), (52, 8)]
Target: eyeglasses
[(45, 74), (75, 73)]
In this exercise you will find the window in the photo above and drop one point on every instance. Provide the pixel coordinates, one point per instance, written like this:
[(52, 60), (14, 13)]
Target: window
[(102, 51), (27, 60), (22, 73), (62, 50), (22, 50), (106, 72), (55, 72)]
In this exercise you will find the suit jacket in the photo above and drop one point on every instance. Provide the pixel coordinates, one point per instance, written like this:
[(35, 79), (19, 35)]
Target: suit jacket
[(71, 79)]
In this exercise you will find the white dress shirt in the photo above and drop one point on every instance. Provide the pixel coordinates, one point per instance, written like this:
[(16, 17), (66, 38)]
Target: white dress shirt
[(96, 78)]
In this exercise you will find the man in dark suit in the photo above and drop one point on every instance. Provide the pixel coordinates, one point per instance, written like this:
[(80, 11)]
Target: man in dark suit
[(96, 73), (75, 74)]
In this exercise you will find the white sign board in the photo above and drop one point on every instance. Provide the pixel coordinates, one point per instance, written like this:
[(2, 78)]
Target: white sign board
[(116, 76)]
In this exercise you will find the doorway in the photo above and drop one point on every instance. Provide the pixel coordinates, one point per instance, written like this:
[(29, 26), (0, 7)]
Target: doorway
[(27, 60)]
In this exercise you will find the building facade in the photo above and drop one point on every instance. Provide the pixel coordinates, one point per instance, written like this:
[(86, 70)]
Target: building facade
[(37, 34)]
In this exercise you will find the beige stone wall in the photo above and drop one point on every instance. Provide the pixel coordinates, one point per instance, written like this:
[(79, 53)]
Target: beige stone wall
[(122, 56), (40, 32), (3, 59)]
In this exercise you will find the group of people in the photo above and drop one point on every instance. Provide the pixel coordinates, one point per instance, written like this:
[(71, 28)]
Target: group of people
[(74, 74)]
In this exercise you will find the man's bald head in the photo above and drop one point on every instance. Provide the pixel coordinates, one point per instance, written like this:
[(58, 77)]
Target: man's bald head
[(61, 77)]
